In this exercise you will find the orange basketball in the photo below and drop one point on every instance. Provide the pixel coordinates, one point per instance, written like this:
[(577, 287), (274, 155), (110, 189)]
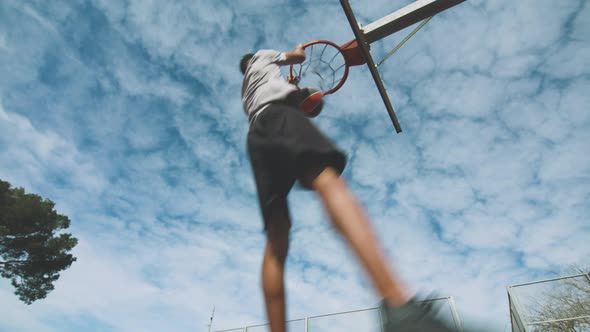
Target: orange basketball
[(311, 104)]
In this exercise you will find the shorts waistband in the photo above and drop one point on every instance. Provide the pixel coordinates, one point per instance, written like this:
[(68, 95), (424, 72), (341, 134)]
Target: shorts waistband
[(257, 114), (291, 100)]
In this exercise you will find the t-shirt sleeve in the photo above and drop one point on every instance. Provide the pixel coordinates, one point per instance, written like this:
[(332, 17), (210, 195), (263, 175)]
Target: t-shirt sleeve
[(270, 56)]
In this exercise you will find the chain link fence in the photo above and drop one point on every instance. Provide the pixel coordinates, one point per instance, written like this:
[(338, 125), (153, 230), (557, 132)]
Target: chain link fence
[(364, 320), (552, 305)]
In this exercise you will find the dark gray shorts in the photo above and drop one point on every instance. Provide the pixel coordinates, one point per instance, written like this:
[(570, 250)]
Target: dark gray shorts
[(285, 146)]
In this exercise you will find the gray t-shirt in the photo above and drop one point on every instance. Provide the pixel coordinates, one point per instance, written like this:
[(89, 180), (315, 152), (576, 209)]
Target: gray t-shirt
[(263, 82)]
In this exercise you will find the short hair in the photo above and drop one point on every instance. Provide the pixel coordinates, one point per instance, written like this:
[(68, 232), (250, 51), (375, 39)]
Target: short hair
[(245, 62)]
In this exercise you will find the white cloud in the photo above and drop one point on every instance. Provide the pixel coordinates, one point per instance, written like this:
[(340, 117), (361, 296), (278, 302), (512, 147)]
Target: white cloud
[(581, 28), (3, 43), (458, 94), (568, 60), (41, 156), (137, 82), (566, 162), (515, 66), (573, 101), (16, 316)]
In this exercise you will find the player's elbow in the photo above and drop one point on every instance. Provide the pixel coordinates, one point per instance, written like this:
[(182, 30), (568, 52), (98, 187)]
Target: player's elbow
[(298, 59)]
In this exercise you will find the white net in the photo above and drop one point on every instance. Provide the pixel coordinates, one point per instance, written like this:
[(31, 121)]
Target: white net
[(324, 67)]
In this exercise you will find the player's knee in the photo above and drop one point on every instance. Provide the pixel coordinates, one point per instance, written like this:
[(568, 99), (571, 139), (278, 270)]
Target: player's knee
[(324, 179), (280, 249), (278, 240), (278, 225)]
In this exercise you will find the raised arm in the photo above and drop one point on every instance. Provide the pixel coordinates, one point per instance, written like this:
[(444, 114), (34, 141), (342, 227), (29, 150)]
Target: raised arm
[(297, 55)]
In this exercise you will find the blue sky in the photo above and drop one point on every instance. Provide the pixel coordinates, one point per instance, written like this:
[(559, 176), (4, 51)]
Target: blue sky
[(127, 115)]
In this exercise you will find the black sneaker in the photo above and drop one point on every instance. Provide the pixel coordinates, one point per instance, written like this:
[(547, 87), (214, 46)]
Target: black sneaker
[(412, 317)]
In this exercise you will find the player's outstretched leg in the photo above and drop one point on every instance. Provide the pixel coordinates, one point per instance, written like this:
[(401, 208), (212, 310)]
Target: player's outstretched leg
[(400, 313), (273, 265), (348, 217)]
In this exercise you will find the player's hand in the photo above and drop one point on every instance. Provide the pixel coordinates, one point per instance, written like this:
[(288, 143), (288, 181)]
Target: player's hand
[(292, 79)]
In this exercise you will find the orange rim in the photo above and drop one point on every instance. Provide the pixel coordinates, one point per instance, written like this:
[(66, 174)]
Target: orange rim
[(346, 64)]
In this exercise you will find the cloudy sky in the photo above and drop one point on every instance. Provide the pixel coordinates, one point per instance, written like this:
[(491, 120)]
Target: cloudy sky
[(127, 115)]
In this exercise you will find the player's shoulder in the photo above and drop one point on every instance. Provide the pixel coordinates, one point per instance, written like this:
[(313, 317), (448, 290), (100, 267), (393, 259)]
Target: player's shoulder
[(267, 54), (264, 52)]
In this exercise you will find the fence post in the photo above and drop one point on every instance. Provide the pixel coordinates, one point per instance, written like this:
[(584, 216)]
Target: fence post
[(456, 318), (521, 321)]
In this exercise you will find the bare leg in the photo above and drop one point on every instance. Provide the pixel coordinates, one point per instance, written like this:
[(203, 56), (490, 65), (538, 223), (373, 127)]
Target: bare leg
[(273, 265), (349, 219)]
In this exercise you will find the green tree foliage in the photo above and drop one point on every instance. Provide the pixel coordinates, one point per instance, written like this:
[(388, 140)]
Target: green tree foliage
[(32, 251)]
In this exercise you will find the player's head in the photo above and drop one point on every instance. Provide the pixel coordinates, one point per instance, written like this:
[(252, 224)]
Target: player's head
[(245, 61)]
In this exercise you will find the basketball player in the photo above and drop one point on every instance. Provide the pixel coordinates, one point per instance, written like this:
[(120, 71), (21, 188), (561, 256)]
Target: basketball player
[(284, 146)]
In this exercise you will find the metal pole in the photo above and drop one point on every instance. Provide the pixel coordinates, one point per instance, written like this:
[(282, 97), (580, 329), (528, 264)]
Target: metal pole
[(541, 322), (404, 40), (455, 314), (211, 319), (364, 46), (551, 279), (522, 322)]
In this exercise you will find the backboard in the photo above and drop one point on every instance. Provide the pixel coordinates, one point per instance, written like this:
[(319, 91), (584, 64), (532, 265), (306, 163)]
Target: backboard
[(385, 26)]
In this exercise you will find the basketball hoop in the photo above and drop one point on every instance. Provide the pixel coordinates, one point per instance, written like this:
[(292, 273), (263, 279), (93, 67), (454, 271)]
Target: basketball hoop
[(325, 68), (326, 64)]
